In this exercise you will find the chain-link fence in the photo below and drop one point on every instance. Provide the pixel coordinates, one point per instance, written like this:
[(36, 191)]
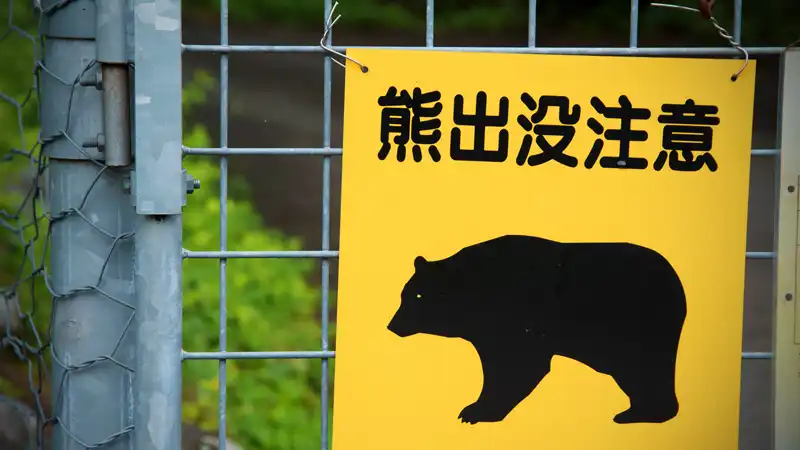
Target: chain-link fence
[(24, 229), (58, 211)]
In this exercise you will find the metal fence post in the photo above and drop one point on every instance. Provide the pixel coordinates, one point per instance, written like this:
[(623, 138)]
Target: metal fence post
[(786, 345), (91, 253), (159, 193)]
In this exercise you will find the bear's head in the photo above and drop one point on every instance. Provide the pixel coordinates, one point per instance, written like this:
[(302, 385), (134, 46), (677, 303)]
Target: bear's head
[(429, 302)]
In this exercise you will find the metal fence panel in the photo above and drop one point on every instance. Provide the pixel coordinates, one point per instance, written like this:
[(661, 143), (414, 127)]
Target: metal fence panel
[(224, 49)]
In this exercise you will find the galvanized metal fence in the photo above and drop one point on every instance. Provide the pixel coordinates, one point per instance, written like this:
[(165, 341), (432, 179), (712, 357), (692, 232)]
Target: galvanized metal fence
[(74, 215), (107, 163)]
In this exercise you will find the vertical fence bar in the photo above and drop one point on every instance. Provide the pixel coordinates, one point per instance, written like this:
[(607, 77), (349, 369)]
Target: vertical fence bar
[(737, 21), (786, 344), (633, 38), (223, 225), (429, 23), (159, 191), (326, 235), (532, 23)]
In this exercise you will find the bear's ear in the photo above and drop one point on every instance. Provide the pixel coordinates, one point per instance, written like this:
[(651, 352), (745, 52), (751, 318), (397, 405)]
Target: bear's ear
[(419, 262)]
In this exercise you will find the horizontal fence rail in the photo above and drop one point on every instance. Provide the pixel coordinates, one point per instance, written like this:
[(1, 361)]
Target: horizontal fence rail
[(600, 51), (338, 151), (232, 254), (314, 354)]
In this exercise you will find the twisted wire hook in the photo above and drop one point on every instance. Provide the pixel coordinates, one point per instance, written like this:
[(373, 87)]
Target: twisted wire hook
[(720, 30), (328, 26)]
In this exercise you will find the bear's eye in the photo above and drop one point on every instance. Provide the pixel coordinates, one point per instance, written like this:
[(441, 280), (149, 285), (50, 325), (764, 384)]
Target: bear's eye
[(419, 295)]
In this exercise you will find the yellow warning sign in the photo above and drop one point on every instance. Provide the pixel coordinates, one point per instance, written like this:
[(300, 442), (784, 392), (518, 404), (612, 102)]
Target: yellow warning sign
[(541, 252)]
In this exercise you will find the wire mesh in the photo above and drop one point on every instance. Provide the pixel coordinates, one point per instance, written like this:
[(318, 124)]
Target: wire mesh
[(20, 219), (325, 253), (32, 299), (224, 49)]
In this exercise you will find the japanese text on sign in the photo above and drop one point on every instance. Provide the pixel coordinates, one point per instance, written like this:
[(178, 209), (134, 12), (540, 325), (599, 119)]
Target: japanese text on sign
[(412, 119)]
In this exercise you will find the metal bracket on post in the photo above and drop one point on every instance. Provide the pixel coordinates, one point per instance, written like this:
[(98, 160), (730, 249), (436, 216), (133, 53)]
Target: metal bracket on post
[(112, 79), (786, 339), (189, 181), (158, 104)]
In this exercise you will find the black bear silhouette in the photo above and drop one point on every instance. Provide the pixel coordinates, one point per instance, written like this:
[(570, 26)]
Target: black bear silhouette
[(618, 308)]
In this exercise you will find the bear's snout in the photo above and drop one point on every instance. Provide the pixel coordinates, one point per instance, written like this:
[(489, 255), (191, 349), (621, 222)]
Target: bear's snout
[(400, 324)]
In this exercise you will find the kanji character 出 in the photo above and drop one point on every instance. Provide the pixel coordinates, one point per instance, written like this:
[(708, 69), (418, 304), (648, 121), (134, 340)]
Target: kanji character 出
[(480, 120)]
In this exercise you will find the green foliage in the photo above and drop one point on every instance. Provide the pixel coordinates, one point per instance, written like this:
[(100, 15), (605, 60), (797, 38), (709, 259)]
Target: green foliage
[(19, 130), (272, 405), (364, 13)]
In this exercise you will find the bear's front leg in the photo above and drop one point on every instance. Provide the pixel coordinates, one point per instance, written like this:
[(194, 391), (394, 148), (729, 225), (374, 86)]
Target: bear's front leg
[(510, 373)]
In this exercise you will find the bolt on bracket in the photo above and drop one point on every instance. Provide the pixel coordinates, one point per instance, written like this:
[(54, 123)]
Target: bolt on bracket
[(92, 79), (190, 183), (98, 142)]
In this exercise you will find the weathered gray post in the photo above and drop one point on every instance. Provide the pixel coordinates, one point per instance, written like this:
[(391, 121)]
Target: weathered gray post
[(159, 191), (786, 343), (92, 217)]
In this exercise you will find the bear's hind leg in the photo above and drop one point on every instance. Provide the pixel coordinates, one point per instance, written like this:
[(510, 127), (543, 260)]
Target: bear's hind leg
[(651, 390), (508, 377)]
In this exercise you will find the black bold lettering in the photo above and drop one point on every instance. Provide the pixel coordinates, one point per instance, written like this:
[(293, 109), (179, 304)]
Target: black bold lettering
[(688, 131), (566, 131), (407, 117), (480, 121), (626, 113)]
